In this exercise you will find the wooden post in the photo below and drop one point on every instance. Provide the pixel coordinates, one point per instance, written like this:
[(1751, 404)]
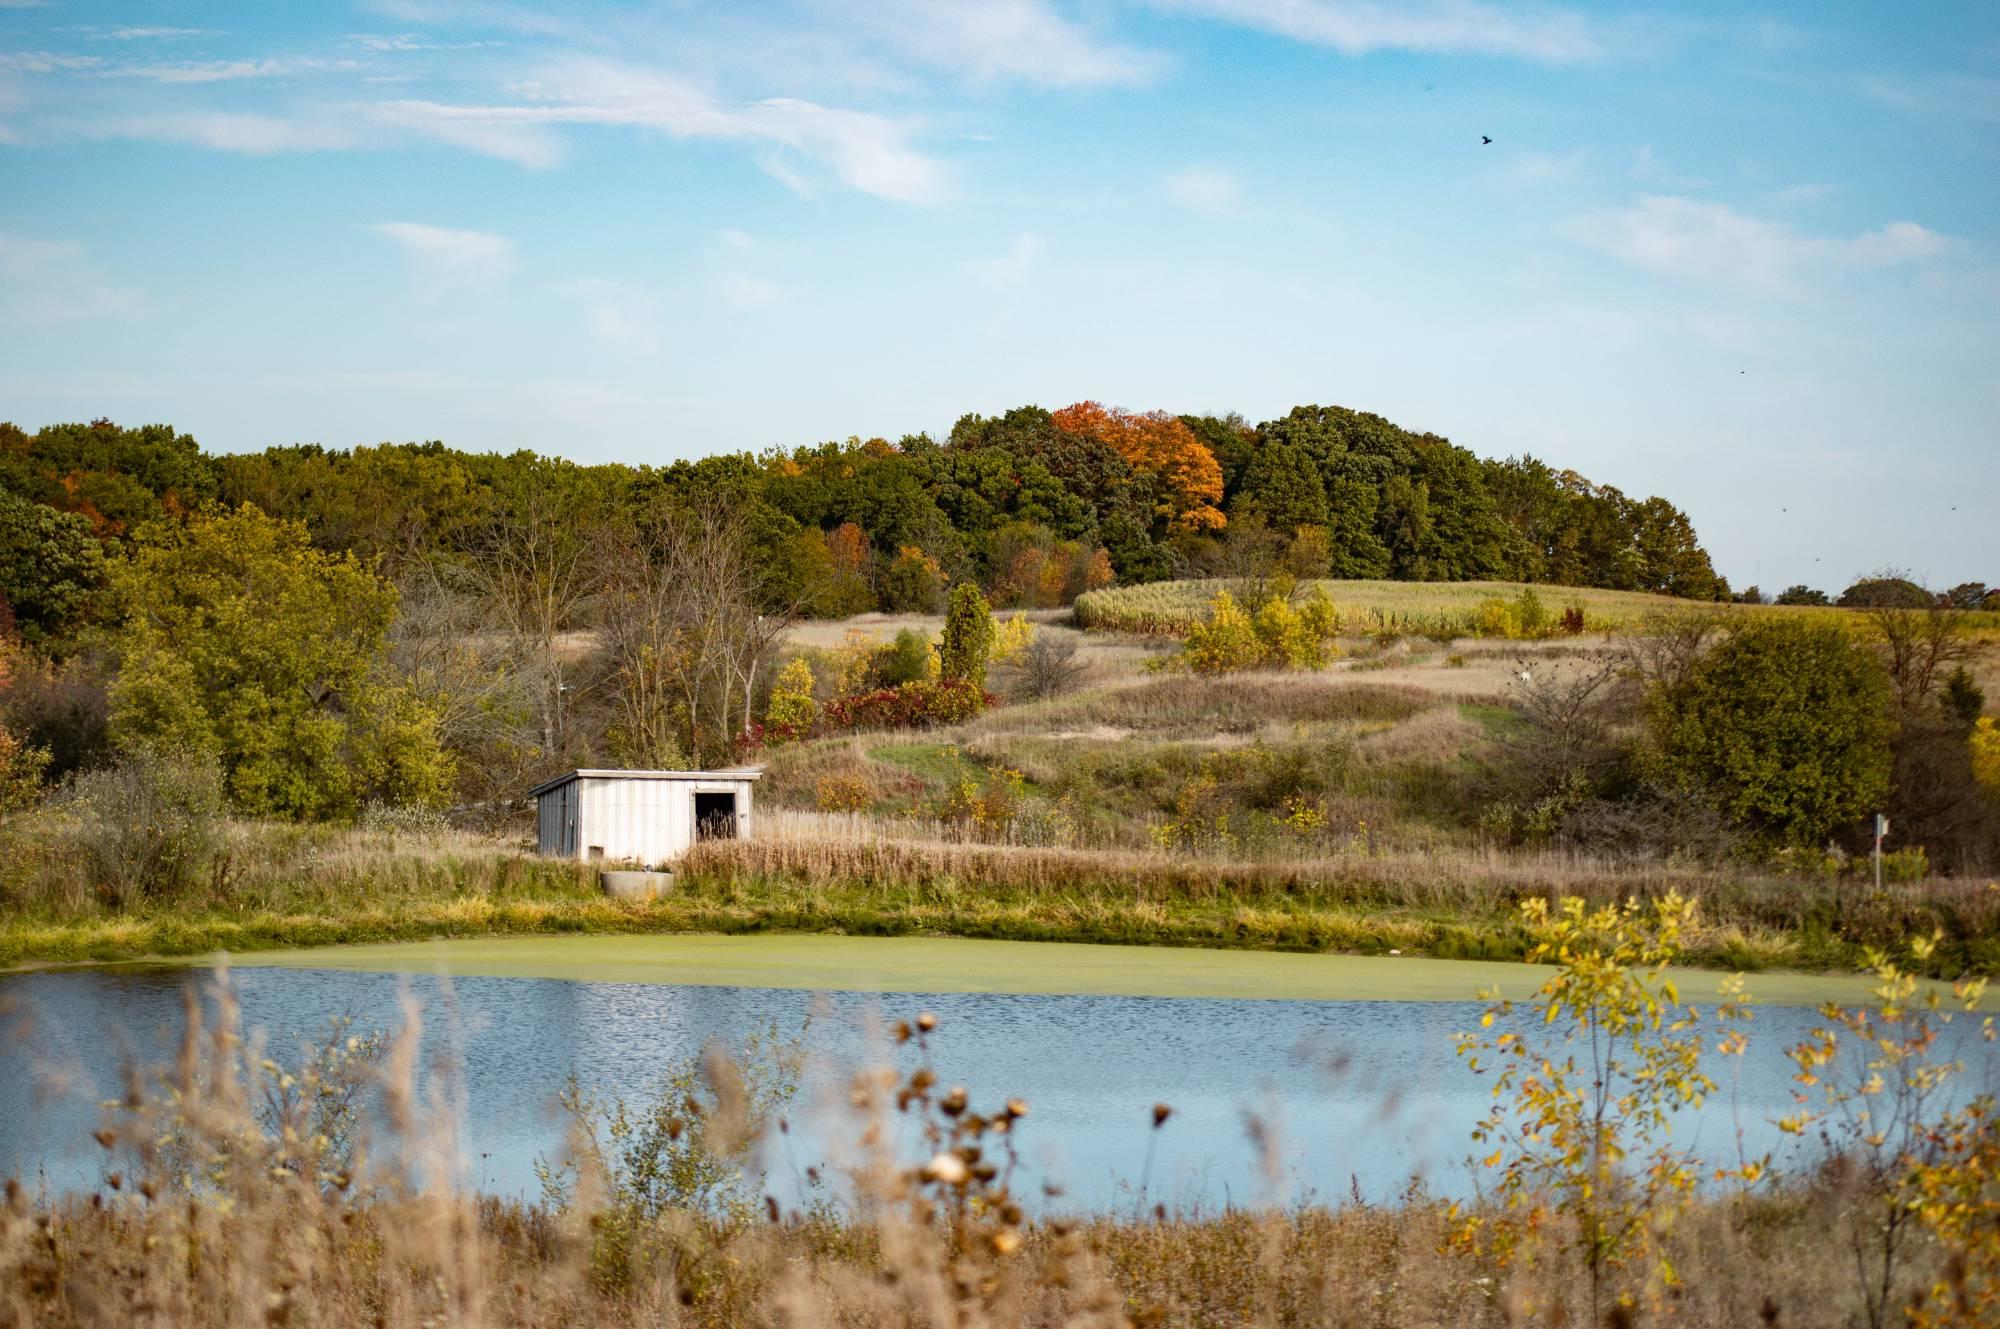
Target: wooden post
[(1881, 830)]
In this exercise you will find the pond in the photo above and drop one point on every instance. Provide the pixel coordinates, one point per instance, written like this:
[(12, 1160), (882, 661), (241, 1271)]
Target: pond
[(1364, 1094)]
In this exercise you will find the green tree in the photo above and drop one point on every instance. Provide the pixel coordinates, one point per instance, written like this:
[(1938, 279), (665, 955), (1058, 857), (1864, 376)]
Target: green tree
[(1282, 485), (912, 582), (49, 564), (1786, 725), (1801, 594), (968, 636), (1887, 591), (241, 642)]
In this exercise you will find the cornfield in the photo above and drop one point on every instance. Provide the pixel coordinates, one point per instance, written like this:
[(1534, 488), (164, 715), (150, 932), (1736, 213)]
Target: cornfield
[(1435, 609)]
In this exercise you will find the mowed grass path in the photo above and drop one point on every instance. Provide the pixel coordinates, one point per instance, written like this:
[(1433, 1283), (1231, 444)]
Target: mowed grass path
[(949, 964)]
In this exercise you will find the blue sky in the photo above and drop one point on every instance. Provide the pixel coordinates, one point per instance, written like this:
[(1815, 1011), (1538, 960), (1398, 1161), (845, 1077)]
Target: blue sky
[(1748, 259)]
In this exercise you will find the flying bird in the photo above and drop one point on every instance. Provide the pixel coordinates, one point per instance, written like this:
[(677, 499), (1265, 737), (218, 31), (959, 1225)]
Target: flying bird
[(1485, 139)]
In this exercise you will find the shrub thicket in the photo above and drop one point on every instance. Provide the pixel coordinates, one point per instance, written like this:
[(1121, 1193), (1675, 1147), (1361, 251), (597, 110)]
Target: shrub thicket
[(1785, 724)]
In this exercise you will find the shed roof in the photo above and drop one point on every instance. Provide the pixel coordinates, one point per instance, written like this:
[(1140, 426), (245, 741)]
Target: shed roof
[(729, 773)]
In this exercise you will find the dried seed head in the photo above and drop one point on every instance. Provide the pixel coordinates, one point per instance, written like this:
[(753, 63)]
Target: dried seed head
[(1006, 1241), (106, 1138), (926, 1021), (1017, 1107), (947, 1168), (902, 1031), (954, 1102), (1160, 1114)]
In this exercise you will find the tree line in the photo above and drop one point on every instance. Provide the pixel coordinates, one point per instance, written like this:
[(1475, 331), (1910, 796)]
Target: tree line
[(1035, 506)]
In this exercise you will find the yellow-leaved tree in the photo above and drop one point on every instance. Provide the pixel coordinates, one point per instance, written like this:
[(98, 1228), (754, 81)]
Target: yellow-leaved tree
[(1584, 1096), (792, 712), (1877, 1082)]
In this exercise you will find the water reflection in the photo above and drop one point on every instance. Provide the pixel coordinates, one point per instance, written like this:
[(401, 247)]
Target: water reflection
[(1362, 1095)]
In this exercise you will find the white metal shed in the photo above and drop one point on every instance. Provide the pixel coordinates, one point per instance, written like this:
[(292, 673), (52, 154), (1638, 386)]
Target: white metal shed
[(643, 817)]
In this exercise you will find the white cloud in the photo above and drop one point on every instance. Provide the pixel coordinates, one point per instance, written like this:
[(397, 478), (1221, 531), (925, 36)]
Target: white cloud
[(474, 128), (734, 238), (747, 292), (616, 315), (1684, 237), (155, 34), (992, 40), (1203, 189), (227, 131), (443, 259), (1010, 269), (865, 151), (51, 281), (46, 62), (1356, 27), (223, 71)]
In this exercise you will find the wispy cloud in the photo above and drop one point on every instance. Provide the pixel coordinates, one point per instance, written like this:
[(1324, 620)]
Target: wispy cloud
[(1356, 27), (616, 315), (1541, 168), (1010, 269), (1648, 169), (1203, 189), (138, 34), (47, 62), (443, 259), (52, 281), (734, 238), (1019, 40), (1684, 237), (225, 71), (865, 151), (227, 131), (747, 292), (1961, 96)]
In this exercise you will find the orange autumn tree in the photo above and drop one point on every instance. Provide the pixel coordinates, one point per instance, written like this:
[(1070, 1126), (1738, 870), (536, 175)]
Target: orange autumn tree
[(1161, 445)]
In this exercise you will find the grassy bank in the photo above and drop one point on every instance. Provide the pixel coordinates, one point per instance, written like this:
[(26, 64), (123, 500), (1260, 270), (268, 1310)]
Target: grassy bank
[(349, 888)]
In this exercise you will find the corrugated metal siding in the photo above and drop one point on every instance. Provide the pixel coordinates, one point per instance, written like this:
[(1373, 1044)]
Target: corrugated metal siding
[(646, 821)]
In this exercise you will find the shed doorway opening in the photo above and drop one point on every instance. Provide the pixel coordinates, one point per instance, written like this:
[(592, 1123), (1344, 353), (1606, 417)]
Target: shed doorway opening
[(715, 816)]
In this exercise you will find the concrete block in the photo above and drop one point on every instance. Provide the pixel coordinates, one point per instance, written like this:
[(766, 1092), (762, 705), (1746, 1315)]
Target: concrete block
[(624, 885)]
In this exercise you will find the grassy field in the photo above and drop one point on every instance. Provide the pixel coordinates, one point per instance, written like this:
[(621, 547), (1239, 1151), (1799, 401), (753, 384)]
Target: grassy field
[(1444, 609), (949, 964)]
